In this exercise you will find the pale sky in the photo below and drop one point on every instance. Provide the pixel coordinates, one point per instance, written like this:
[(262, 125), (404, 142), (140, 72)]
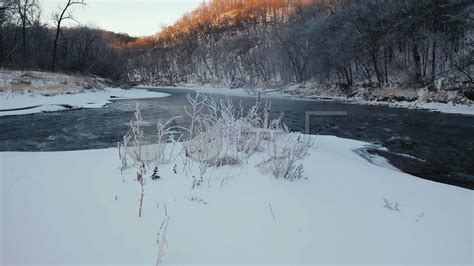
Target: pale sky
[(137, 18)]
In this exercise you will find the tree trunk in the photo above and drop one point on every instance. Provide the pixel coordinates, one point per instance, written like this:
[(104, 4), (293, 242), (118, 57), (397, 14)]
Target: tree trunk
[(433, 61), (55, 48), (376, 67), (417, 60), (25, 48), (385, 65)]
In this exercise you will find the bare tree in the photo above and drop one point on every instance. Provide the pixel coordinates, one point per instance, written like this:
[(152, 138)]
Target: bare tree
[(25, 10), (59, 17), (86, 37), (6, 11)]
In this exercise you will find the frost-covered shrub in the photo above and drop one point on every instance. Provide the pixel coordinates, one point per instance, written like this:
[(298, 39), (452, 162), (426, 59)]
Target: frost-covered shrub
[(134, 153), (284, 152), (137, 153), (222, 134), (219, 134), (166, 142), (225, 136), (123, 153)]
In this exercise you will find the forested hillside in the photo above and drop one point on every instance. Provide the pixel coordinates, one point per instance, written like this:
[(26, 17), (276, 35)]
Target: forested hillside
[(328, 42), (27, 43)]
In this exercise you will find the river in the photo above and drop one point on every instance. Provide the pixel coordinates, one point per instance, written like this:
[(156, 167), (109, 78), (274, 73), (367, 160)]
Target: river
[(429, 145)]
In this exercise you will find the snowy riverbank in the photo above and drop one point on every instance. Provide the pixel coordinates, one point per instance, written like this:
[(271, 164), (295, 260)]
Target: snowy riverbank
[(19, 103), (438, 100), (447, 108), (35, 92), (76, 207)]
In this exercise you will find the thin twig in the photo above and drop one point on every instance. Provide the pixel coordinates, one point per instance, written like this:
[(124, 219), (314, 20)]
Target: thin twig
[(271, 210)]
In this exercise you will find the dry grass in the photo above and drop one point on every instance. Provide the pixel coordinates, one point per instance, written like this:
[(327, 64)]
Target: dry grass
[(224, 161), (50, 83)]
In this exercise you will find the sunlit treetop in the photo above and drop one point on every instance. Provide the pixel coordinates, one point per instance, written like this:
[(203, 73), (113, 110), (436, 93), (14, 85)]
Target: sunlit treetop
[(217, 15)]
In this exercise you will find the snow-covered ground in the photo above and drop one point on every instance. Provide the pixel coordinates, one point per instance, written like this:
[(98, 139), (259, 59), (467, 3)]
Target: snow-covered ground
[(448, 108), (46, 81), (439, 101), (36, 92), (77, 208), (16, 103)]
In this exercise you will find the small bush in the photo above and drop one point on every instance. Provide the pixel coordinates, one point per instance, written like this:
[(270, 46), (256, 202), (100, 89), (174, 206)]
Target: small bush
[(219, 135), (284, 152)]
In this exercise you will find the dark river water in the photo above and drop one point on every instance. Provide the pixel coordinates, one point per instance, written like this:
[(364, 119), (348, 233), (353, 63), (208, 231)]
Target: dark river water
[(430, 145)]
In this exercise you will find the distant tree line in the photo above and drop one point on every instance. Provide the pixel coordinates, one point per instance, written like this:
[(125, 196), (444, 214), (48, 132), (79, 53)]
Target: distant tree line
[(344, 42), (28, 44)]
